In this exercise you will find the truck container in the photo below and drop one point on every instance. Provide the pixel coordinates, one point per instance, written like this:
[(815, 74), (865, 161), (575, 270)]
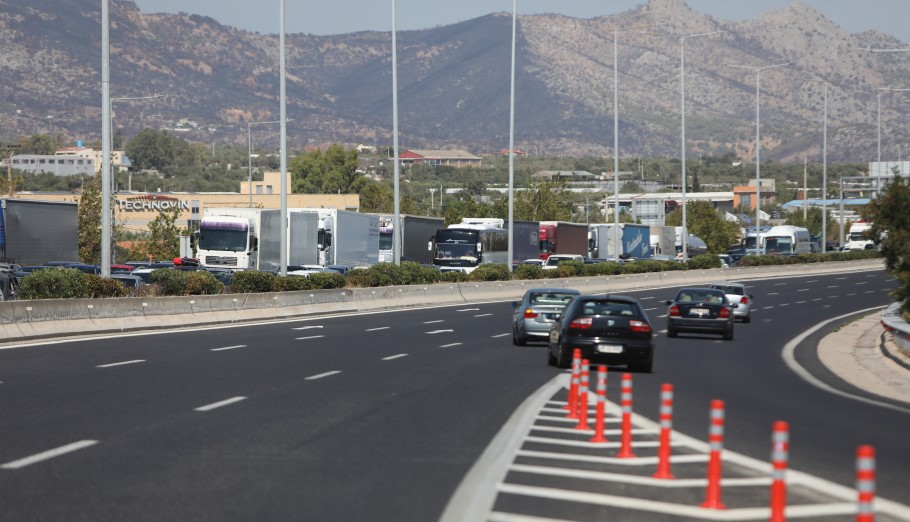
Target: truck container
[(347, 238), (634, 241), (240, 238), (561, 237), (33, 232), (416, 232), (525, 240), (303, 238), (663, 241)]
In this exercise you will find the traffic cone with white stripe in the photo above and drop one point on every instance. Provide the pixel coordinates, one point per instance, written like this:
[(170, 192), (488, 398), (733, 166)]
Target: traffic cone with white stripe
[(780, 451), (599, 420), (573, 385), (584, 390), (716, 443), (625, 449), (865, 483), (666, 427)]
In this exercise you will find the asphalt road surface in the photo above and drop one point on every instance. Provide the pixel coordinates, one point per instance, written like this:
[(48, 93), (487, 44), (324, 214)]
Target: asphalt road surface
[(380, 416)]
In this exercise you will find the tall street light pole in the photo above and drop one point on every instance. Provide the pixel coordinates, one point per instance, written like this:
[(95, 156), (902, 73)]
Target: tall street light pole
[(396, 224), (105, 141), (616, 243), (283, 263), (824, 244), (512, 135), (758, 71), (249, 156)]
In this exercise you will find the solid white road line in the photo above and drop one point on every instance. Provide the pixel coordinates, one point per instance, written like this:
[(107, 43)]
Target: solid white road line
[(120, 363), (209, 407), (468, 310), (306, 327), (450, 345), (49, 454), (321, 375), (393, 357), (377, 329), (228, 348), (308, 337)]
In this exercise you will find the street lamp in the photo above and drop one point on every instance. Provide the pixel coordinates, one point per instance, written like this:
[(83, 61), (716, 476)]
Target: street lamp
[(682, 128), (105, 140), (758, 71), (824, 242), (616, 245), (283, 263), (396, 225), (511, 136), (249, 156)]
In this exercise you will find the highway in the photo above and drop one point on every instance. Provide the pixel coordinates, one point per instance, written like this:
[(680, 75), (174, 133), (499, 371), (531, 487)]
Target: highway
[(380, 416)]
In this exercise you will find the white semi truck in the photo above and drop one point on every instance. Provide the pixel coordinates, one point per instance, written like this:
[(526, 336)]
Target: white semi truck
[(858, 238), (240, 238), (346, 238)]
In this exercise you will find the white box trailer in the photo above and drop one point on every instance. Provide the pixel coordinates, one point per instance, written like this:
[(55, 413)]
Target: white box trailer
[(346, 238)]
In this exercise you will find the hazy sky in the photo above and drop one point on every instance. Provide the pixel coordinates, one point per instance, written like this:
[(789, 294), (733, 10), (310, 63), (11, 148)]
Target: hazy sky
[(345, 16)]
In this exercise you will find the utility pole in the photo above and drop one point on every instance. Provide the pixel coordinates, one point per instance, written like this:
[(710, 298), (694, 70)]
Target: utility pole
[(11, 148)]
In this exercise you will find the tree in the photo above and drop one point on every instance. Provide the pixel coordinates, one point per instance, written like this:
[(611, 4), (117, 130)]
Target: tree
[(163, 240), (891, 229), (39, 144), (89, 216), (153, 149), (703, 220), (334, 171), (542, 201)]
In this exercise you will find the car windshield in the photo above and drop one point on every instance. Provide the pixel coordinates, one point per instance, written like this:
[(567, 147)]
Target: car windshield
[(610, 307), (551, 298)]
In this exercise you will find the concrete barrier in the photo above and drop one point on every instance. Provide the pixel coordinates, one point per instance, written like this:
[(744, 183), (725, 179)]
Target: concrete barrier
[(893, 322), (57, 317)]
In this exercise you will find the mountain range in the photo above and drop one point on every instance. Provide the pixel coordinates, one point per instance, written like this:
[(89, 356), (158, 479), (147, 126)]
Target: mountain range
[(454, 82)]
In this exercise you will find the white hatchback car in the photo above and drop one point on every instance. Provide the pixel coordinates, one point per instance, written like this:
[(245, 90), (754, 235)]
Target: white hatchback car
[(736, 294)]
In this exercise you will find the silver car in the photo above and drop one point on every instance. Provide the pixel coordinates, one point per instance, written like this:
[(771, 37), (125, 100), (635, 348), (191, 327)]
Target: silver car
[(736, 294), (537, 310)]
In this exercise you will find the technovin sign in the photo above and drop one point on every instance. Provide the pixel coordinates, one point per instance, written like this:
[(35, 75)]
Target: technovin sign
[(152, 204)]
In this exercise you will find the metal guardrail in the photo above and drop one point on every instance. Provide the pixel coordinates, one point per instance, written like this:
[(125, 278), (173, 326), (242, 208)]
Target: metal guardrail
[(894, 323)]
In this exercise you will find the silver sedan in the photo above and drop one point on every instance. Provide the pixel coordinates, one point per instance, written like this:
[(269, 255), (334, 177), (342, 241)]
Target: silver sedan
[(537, 310), (736, 294)]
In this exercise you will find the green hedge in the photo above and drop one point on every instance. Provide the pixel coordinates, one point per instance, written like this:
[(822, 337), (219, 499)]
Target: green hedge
[(252, 282), (68, 283)]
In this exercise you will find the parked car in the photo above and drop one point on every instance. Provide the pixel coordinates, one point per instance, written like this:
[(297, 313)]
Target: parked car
[(736, 294), (133, 283), (700, 310), (537, 310), (553, 261), (608, 329), (88, 269)]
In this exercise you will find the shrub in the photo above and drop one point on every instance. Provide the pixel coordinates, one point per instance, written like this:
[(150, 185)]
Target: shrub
[(602, 269), (359, 278), (54, 283), (170, 281), (252, 282), (453, 277), (527, 272), (491, 272), (703, 261), (641, 267), (325, 280), (100, 287), (570, 268), (292, 283), (201, 282)]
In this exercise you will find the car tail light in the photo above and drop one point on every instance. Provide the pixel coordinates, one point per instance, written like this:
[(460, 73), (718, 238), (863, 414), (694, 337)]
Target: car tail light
[(724, 313), (744, 300), (582, 323), (674, 311), (639, 326), (530, 314)]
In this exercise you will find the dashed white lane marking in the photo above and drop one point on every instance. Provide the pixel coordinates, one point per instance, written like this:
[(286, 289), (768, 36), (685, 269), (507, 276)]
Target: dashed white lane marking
[(869, 292), (803, 290), (833, 286), (393, 357), (646, 298), (219, 404), (49, 454), (229, 348), (850, 295), (661, 316), (840, 278), (433, 322), (650, 309), (785, 304), (800, 302), (306, 327), (862, 282), (483, 315), (468, 310), (500, 335), (773, 293), (450, 345), (377, 329), (779, 284), (322, 375), (120, 363), (308, 337), (767, 308), (817, 299), (434, 332), (812, 281)]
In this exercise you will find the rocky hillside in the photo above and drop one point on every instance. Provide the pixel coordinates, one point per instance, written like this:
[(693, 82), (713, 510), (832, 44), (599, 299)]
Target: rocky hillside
[(454, 81)]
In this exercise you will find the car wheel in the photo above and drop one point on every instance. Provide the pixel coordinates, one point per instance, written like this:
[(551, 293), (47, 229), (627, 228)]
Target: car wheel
[(748, 318), (728, 335), (563, 359), (645, 367), (517, 340), (671, 333)]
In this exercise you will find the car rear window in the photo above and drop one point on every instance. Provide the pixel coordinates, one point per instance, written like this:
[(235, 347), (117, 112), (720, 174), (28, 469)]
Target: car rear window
[(623, 308), (736, 290), (699, 297), (551, 298)]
